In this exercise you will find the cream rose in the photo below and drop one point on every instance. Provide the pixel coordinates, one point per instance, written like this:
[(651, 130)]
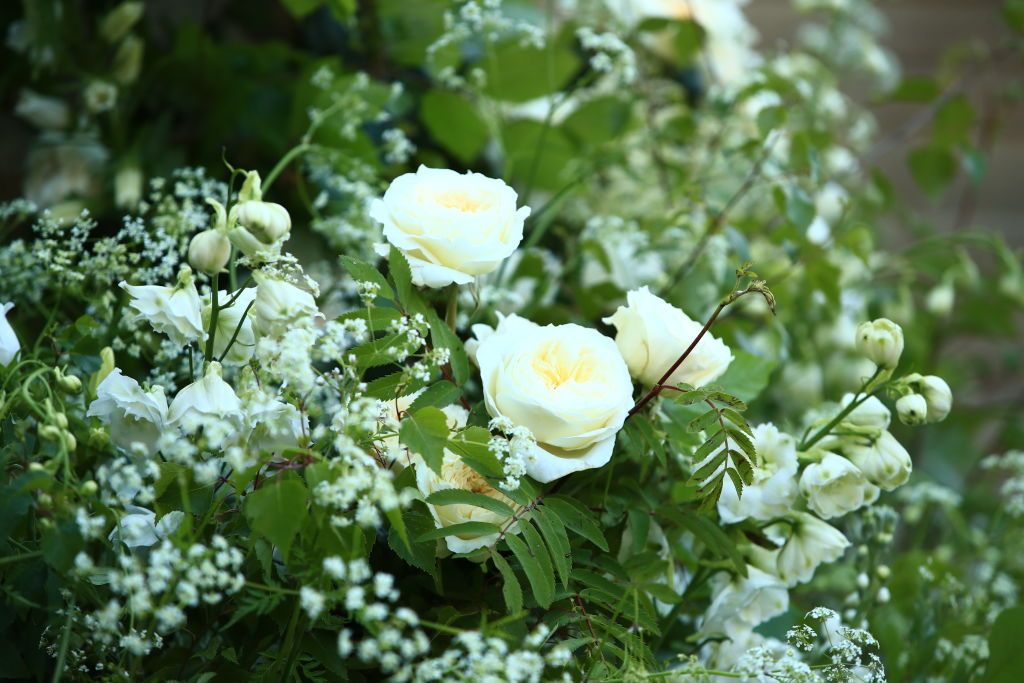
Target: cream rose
[(456, 474), (567, 384), (450, 226), (652, 334)]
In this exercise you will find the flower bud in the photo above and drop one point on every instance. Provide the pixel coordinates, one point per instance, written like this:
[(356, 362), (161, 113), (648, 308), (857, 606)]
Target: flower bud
[(70, 442), (90, 487), (209, 251), (259, 225), (49, 432), (61, 420), (881, 341), (938, 396), (120, 20), (127, 186), (42, 111), (912, 409), (940, 299), (883, 571), (128, 60), (68, 383)]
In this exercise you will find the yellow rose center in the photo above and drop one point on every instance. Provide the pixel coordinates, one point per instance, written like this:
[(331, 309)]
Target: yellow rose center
[(460, 201), (557, 365)]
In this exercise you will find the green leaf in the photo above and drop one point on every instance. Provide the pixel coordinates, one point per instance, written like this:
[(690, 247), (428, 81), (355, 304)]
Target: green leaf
[(747, 375), (536, 563), (472, 529), (706, 448), (277, 510), (364, 272), (933, 168), (518, 72), (401, 275), (454, 123), (377, 352), (1013, 15), (471, 444), (442, 337), (462, 497), (953, 122), (577, 518), (744, 442), (554, 534), (438, 395), (425, 433), (737, 420), (419, 554), (378, 318), (60, 544), (387, 387), (709, 468), (703, 421), (712, 536), (1006, 657), (511, 589)]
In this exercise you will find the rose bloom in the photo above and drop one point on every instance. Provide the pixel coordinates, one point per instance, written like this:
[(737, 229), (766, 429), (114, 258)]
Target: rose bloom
[(652, 334), (567, 384), (455, 474), (450, 226)]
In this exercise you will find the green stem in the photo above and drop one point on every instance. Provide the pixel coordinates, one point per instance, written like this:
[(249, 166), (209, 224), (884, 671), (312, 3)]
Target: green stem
[(441, 628), (289, 641), (65, 641), (238, 328), (295, 152), (12, 559), (214, 313), (854, 404)]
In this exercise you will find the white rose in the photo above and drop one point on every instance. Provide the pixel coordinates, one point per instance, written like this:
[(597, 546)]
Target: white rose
[(835, 486), (228, 320), (885, 462), (174, 311), (9, 345), (774, 487), (811, 543), (567, 384), (912, 409), (455, 474), (206, 401), (134, 416), (280, 304), (652, 334), (450, 226), (743, 603), (881, 342), (870, 413)]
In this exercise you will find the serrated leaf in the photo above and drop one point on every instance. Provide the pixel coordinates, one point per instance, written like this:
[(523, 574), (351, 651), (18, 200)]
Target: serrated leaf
[(744, 442), (378, 318), (710, 492), (421, 555), (442, 337), (387, 387), (577, 518), (510, 588), (706, 448), (461, 497), (720, 396), (737, 420), (533, 557), (471, 529), (377, 352), (688, 395), (713, 538), (425, 433), (553, 530), (703, 421), (277, 510), (362, 271), (744, 466), (401, 275), (471, 444), (736, 480), (709, 468)]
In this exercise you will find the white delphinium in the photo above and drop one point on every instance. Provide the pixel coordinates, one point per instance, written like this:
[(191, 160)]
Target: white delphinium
[(9, 345), (135, 418), (883, 460), (774, 486), (232, 327), (835, 486), (281, 304), (810, 543), (139, 528), (175, 311), (208, 402), (741, 603), (257, 228)]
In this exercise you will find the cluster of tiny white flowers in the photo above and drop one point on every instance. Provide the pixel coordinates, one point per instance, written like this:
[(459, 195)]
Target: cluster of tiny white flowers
[(512, 449), (611, 54), (125, 480), (474, 656), (484, 20), (1012, 487), (398, 148)]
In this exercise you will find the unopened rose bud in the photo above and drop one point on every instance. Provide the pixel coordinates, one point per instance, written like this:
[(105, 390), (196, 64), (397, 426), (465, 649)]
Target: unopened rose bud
[(120, 20), (912, 409), (881, 341), (939, 397), (209, 251)]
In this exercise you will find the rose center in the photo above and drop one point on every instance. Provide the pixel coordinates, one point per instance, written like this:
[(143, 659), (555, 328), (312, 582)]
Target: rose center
[(557, 365)]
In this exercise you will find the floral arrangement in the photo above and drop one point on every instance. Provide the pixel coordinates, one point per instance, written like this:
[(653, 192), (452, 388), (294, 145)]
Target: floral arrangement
[(587, 364)]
